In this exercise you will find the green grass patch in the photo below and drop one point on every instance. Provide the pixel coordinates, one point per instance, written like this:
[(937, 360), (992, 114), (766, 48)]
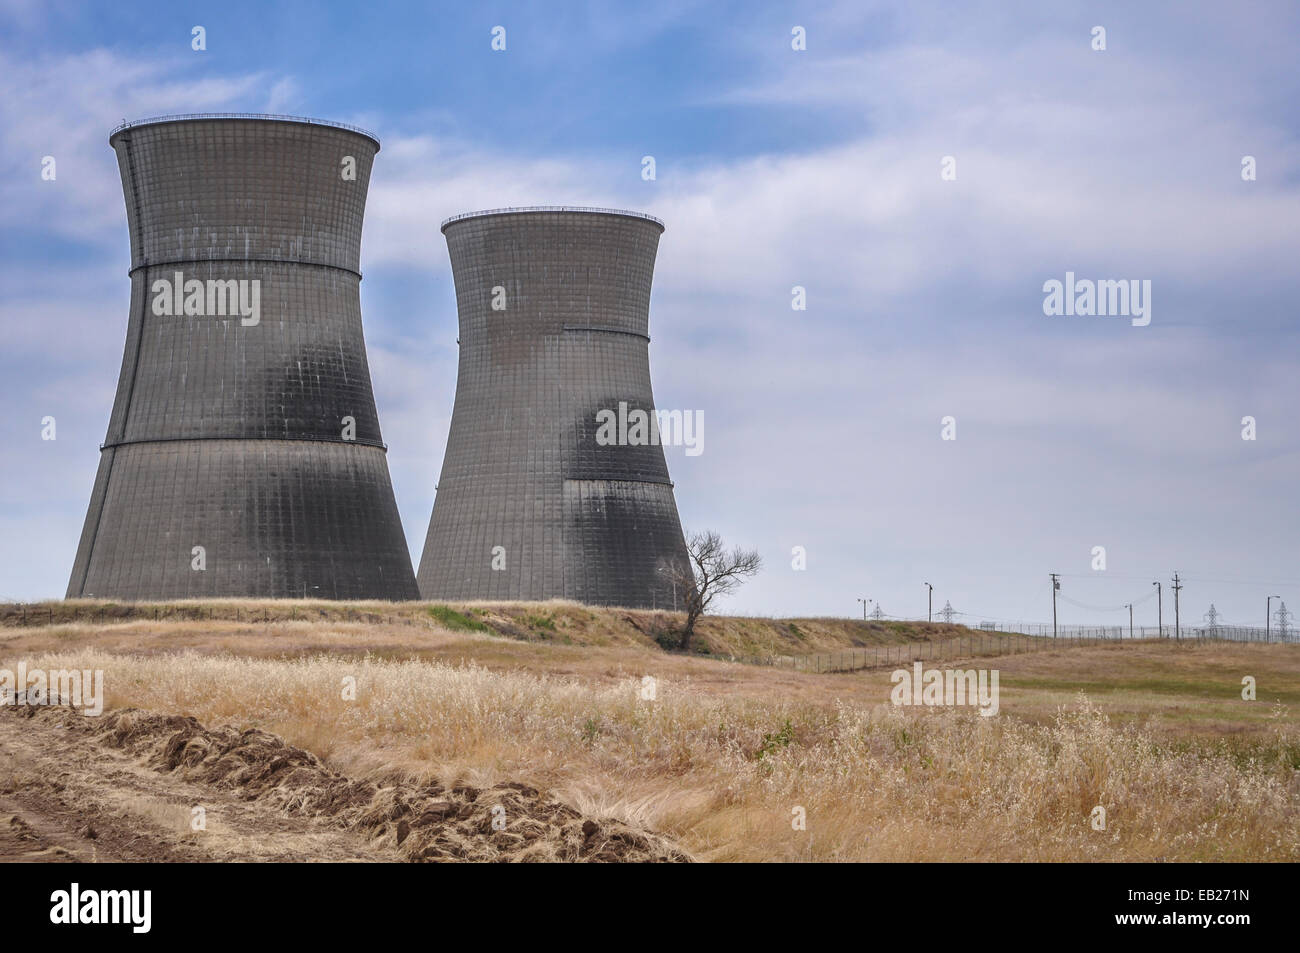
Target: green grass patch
[(775, 741), (449, 617), (544, 622)]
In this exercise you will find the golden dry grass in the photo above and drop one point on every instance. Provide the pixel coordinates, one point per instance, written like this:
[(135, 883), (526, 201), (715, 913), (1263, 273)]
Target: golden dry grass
[(557, 622), (1155, 733)]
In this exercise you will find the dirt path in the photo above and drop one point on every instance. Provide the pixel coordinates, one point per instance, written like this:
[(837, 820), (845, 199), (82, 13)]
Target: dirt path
[(64, 796), (125, 787), (27, 836)]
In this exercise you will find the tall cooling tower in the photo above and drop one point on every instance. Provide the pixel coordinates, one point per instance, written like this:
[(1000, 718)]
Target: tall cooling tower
[(243, 455), (554, 308)]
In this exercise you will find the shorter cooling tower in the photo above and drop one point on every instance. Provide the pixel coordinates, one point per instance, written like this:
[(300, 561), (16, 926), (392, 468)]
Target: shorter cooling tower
[(243, 455), (554, 309)]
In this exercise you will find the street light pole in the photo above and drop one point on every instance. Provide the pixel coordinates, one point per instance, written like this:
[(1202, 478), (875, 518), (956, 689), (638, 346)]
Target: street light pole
[(864, 608), (929, 609), (1160, 610), (1130, 621)]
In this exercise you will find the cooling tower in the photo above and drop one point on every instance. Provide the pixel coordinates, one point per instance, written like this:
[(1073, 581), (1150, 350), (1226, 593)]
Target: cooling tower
[(554, 307), (243, 455)]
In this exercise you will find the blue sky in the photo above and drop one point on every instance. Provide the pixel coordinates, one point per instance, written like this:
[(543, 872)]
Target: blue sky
[(775, 168)]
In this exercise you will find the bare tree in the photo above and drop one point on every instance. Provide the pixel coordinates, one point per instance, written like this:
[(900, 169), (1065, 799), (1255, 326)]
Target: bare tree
[(712, 571)]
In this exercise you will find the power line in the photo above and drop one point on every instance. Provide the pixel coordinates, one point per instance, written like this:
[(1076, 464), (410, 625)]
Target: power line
[(1217, 580), (1083, 605)]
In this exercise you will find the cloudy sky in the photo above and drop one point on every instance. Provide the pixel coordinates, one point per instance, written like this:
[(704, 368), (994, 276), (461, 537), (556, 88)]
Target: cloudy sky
[(819, 168)]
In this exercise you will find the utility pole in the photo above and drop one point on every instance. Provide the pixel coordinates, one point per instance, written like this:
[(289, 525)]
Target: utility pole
[(1130, 620), (1160, 610), (1268, 607), (929, 612), (1056, 584), (1177, 586), (864, 608)]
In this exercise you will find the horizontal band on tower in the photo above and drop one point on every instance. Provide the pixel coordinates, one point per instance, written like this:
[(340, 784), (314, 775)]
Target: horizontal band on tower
[(617, 479), (269, 117), (247, 437), (524, 209), (270, 261), (635, 334)]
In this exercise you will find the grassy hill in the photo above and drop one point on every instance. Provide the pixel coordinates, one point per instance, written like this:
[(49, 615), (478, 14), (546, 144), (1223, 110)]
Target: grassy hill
[(557, 621)]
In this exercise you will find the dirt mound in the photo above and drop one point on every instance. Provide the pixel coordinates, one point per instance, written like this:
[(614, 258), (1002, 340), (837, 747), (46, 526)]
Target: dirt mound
[(504, 823)]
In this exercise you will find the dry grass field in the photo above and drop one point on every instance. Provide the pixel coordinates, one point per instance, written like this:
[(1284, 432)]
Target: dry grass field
[(724, 756)]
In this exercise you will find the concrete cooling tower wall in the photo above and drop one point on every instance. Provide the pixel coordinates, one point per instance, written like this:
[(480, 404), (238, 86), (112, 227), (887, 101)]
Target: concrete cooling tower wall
[(243, 455), (554, 309)]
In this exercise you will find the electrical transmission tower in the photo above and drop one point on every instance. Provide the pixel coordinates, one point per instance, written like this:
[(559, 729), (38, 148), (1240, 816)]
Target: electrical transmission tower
[(876, 613), (1212, 621), (947, 612), (1283, 617)]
